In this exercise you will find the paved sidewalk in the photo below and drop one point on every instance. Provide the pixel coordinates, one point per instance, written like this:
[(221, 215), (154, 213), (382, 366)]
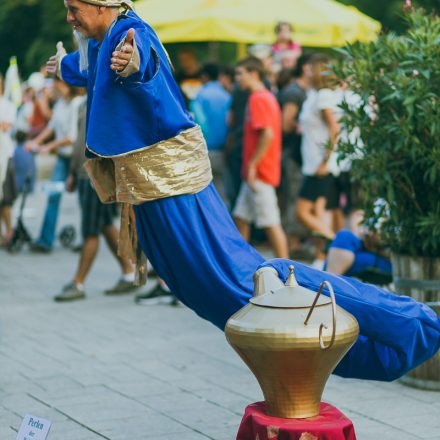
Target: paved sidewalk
[(105, 368)]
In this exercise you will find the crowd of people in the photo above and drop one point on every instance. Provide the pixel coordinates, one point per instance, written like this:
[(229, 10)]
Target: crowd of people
[(272, 127)]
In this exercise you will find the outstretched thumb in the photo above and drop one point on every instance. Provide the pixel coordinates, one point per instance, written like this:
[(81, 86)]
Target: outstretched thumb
[(60, 47), (130, 36)]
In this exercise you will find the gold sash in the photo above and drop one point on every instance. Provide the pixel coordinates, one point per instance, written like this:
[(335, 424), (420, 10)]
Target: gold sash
[(176, 166), (173, 167)]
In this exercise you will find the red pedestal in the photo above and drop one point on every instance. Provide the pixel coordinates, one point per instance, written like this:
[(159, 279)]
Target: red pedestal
[(331, 424)]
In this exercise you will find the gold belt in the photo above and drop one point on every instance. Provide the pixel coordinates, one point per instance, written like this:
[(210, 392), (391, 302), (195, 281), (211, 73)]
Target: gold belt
[(176, 166)]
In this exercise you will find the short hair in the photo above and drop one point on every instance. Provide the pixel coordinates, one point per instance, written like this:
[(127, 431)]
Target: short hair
[(304, 59), (280, 24), (20, 136), (211, 70), (252, 64), (322, 75), (227, 71)]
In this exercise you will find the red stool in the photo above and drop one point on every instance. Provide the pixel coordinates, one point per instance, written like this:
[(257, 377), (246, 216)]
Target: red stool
[(331, 424)]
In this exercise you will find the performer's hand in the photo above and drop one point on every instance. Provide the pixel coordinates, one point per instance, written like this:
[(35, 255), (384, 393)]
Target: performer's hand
[(52, 64), (252, 176), (121, 58)]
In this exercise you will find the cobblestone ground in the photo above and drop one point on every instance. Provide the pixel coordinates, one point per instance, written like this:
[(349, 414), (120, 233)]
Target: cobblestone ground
[(105, 368)]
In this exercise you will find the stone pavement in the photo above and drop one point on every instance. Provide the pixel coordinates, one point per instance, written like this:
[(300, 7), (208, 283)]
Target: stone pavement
[(105, 368)]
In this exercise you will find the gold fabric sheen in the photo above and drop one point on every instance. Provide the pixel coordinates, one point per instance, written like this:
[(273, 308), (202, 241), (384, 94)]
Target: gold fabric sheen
[(176, 166)]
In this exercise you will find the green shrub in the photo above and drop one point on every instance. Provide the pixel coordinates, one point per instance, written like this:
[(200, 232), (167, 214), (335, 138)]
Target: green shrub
[(399, 77)]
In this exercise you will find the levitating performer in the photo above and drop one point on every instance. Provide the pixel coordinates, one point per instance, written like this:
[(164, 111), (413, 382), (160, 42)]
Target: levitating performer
[(147, 152)]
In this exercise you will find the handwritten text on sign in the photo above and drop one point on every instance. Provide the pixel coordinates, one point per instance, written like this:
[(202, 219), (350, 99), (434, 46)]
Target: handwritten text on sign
[(34, 428)]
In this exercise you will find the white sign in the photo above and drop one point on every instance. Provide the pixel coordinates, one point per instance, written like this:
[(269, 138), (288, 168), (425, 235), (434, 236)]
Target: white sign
[(34, 428)]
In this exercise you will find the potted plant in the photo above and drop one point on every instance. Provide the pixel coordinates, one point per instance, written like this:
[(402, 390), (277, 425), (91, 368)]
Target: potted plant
[(397, 154)]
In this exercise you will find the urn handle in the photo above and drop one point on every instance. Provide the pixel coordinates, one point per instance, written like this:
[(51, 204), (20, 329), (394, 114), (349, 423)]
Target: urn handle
[(322, 326)]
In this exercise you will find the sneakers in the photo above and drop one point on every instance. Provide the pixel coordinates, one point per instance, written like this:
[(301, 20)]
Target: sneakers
[(158, 295), (70, 292), (121, 287), (40, 248)]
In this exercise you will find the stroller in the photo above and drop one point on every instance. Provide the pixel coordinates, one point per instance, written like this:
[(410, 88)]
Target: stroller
[(21, 235)]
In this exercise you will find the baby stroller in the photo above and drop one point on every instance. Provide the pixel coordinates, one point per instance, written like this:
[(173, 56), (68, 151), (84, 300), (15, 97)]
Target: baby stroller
[(21, 235)]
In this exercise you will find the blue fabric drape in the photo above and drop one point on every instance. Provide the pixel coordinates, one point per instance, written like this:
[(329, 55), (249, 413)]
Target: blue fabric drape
[(194, 246)]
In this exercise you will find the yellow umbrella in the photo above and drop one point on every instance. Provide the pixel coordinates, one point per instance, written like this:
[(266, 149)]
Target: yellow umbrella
[(318, 23)]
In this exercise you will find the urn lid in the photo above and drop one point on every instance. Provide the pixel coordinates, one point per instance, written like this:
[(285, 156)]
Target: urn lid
[(291, 296)]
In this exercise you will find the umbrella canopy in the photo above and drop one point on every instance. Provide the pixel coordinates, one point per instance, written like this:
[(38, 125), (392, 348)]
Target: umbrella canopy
[(318, 23)]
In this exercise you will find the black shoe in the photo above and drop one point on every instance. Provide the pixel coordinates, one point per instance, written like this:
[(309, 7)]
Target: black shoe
[(40, 248), (175, 302), (158, 295)]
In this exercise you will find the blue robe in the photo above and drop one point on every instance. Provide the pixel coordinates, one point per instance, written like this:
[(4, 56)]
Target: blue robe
[(191, 240)]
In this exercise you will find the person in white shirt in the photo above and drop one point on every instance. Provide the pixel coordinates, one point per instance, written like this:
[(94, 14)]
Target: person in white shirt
[(64, 127), (320, 131), (8, 114)]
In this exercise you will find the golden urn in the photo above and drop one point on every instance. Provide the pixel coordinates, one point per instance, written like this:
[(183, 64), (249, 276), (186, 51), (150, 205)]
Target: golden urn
[(292, 339)]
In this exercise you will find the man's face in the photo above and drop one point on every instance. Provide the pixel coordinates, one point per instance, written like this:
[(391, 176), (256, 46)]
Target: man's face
[(83, 17), (243, 77)]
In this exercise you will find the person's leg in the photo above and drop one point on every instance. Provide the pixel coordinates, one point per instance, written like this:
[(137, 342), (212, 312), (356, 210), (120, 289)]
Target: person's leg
[(87, 257), (278, 241), (268, 217), (98, 219), (311, 215), (339, 261), (75, 289), (338, 219), (59, 175), (6, 218), (343, 252), (233, 178), (111, 235), (243, 227), (243, 212)]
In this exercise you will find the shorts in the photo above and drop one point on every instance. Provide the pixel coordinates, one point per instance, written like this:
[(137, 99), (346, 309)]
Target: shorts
[(95, 215), (363, 259), (259, 207), (352, 192), (314, 187)]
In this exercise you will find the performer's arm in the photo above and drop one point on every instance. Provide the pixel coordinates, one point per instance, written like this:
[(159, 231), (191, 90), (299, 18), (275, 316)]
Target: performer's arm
[(66, 67), (132, 56), (70, 72)]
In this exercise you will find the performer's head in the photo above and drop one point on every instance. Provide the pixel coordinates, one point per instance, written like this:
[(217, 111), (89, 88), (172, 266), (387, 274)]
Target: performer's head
[(92, 17), (249, 73)]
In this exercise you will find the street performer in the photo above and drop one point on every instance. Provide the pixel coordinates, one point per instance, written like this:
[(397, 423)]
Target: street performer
[(146, 151)]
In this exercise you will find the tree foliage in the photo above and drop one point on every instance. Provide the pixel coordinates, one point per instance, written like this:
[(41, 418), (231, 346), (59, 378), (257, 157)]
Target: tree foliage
[(388, 12), (399, 76), (30, 29)]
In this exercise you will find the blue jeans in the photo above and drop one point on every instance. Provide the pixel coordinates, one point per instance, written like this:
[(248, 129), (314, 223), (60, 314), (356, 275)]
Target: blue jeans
[(59, 174)]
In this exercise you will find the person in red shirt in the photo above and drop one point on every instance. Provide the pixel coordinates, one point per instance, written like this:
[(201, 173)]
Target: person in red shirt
[(261, 171)]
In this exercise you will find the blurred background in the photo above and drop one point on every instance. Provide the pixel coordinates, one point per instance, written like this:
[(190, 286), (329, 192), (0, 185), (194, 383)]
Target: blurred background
[(29, 29)]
